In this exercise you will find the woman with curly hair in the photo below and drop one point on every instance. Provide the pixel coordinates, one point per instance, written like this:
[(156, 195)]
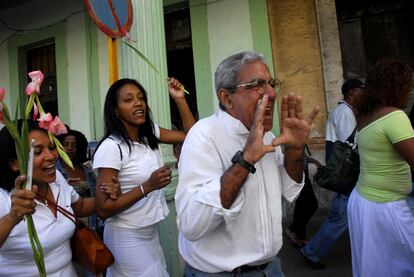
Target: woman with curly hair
[(381, 223)]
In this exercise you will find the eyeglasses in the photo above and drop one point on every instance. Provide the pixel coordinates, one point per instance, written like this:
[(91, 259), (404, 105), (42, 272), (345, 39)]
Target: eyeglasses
[(259, 85)]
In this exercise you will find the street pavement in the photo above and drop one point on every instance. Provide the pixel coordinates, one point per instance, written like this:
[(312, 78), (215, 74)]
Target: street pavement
[(338, 261)]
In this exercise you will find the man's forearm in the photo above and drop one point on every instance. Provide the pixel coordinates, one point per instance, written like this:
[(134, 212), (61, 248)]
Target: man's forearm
[(294, 163), (231, 183)]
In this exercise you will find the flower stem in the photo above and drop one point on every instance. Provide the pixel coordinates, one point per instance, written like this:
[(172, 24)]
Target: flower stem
[(36, 247)]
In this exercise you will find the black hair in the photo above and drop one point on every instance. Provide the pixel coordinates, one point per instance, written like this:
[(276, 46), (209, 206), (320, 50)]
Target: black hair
[(114, 126), (81, 145), (386, 84), (349, 85), (8, 153)]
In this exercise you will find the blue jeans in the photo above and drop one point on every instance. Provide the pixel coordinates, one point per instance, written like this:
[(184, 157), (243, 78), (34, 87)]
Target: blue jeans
[(333, 227), (273, 269)]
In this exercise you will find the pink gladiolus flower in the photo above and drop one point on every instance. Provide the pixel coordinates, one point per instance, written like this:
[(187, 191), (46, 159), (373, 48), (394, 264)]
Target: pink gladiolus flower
[(37, 79), (45, 120), (2, 93), (57, 127), (32, 88), (35, 111)]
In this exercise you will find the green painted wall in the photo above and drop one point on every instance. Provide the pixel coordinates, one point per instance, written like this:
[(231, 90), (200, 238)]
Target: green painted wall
[(260, 30), (96, 122), (201, 53), (261, 40)]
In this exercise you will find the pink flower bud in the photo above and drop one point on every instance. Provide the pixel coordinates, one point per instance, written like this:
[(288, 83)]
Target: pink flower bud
[(2, 93), (37, 77), (57, 127), (35, 111), (45, 120), (31, 88)]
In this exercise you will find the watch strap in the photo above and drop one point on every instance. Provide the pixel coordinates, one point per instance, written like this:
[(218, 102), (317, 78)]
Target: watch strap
[(238, 158)]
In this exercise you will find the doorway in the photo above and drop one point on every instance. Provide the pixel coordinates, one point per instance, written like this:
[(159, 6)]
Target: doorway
[(180, 61), (374, 29), (42, 57)]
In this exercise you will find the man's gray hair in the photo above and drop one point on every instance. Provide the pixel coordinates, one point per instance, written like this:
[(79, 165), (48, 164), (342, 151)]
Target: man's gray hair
[(227, 73)]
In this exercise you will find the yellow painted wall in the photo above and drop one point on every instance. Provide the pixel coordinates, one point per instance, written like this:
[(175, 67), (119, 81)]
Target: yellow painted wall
[(297, 56)]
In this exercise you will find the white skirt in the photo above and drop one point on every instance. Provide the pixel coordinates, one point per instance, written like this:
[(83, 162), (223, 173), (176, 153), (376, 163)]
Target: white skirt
[(382, 237), (137, 252)]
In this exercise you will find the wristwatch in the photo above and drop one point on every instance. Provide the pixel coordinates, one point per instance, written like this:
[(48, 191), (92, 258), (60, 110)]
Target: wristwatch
[(238, 158)]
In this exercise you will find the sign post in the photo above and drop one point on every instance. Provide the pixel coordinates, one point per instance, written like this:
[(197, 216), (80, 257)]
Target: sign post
[(114, 18)]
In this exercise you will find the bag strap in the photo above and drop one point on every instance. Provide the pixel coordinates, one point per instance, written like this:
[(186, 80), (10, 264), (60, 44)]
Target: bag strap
[(119, 147), (63, 211), (351, 137)]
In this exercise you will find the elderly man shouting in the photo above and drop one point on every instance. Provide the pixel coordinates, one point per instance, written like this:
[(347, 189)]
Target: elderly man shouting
[(233, 173)]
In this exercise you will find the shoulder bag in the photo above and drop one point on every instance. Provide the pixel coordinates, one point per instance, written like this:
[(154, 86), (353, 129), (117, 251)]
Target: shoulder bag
[(340, 174), (88, 250)]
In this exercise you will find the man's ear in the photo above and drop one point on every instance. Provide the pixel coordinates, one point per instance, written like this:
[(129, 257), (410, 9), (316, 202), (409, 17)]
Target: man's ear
[(225, 96), (14, 165)]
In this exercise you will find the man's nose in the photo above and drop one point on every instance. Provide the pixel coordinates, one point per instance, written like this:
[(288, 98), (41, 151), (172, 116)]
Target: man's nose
[(270, 92)]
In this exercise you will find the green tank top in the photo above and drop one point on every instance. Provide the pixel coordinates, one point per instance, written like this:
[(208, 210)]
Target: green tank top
[(384, 176)]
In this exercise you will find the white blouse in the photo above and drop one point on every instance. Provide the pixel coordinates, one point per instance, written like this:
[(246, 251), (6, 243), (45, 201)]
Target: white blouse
[(135, 167), (16, 256)]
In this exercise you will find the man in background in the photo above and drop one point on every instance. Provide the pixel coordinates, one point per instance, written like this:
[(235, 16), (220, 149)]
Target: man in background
[(340, 125)]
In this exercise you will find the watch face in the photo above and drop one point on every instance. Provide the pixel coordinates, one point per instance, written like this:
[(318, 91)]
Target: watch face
[(237, 157)]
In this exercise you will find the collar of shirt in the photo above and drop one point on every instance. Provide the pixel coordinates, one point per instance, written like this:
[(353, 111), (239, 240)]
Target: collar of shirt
[(346, 103), (232, 124)]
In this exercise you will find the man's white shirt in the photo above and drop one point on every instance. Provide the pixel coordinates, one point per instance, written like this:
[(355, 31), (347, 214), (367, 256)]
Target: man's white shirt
[(215, 239)]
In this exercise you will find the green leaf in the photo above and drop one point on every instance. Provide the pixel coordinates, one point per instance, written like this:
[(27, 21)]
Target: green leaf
[(143, 57), (36, 246), (25, 145), (39, 105), (62, 153), (29, 106), (16, 112)]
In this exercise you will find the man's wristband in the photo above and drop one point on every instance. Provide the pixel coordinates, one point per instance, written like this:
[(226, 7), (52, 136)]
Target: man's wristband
[(143, 191)]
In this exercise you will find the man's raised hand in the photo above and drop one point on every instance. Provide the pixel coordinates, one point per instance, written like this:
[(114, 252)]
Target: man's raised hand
[(295, 128)]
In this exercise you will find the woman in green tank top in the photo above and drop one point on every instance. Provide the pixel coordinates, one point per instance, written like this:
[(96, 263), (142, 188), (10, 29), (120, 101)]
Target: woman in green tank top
[(381, 223)]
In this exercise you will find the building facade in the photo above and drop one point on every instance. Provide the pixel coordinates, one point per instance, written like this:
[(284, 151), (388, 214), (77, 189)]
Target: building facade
[(187, 39)]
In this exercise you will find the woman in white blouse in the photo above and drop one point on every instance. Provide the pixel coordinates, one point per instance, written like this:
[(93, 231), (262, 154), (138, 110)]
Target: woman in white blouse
[(53, 228), (129, 154)]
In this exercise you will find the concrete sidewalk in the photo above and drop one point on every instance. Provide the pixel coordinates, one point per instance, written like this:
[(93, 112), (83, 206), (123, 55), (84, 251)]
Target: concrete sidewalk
[(338, 261)]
